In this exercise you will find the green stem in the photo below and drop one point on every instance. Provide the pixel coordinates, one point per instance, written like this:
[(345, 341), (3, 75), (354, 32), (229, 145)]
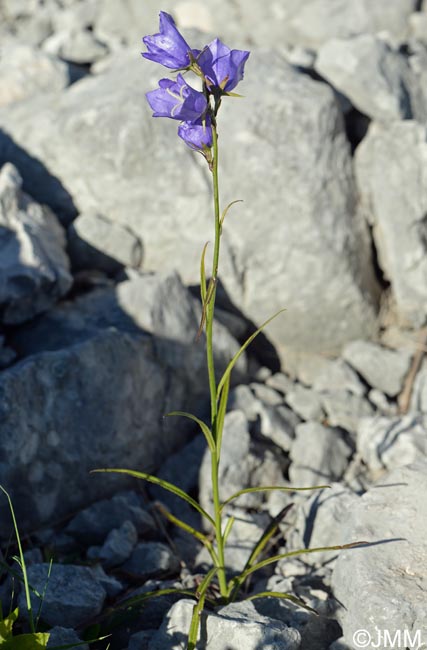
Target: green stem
[(210, 310)]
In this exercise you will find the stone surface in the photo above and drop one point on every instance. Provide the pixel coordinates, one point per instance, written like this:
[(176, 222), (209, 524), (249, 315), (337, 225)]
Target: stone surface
[(345, 409), (72, 595), (92, 524), (397, 209), (151, 560), (319, 455), (319, 522), (387, 443), (381, 368), (418, 401), (117, 547), (76, 46), (60, 636), (97, 243), (326, 245), (34, 266), (377, 79), (233, 627), (305, 402), (390, 572), (26, 71)]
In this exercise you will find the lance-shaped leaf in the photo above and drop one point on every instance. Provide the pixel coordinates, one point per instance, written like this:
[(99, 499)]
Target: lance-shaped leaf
[(209, 294), (6, 625), (221, 415), (239, 353), (227, 529), (203, 274), (198, 608), (270, 488), (204, 427), (282, 596), (33, 641), (224, 212), (170, 487)]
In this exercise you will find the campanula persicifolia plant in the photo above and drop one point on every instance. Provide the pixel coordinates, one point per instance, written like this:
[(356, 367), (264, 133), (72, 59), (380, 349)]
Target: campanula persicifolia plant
[(219, 70)]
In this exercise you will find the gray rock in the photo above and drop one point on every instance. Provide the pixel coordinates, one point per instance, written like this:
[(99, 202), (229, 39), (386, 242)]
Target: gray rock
[(245, 534), (151, 560), (71, 597), (278, 425), (382, 403), (112, 586), (94, 242), (26, 71), (141, 640), (266, 394), (397, 210), (60, 636), (314, 22), (7, 355), (337, 375), (390, 571), (233, 627), (387, 443), (377, 80), (345, 409), (319, 455), (305, 402), (380, 367), (92, 524), (77, 46), (417, 23), (418, 401), (343, 262), (117, 547), (34, 266), (280, 382), (319, 522)]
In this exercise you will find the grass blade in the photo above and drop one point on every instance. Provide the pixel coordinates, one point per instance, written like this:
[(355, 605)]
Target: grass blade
[(224, 212), (22, 562), (282, 596), (242, 349), (204, 427), (203, 274), (221, 415), (170, 487), (227, 529), (198, 608), (270, 488)]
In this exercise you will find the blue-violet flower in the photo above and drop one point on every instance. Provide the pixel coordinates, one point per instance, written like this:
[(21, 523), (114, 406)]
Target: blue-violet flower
[(168, 47), (197, 135), (222, 67), (178, 100)]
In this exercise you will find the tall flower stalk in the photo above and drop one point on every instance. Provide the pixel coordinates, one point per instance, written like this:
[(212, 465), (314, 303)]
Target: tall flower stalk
[(220, 70)]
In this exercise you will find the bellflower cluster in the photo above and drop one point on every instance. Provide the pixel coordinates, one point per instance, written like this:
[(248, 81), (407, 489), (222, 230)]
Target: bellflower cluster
[(219, 68)]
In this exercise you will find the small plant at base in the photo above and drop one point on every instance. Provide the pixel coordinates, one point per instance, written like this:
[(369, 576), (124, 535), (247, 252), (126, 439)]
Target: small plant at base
[(220, 70)]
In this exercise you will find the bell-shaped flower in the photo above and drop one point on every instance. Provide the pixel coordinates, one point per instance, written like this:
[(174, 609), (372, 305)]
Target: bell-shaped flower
[(178, 100), (197, 136), (222, 67), (168, 47)]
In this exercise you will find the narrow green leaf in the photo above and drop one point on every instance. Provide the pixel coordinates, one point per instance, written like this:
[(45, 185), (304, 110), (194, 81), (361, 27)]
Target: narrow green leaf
[(204, 427), (190, 530), (230, 94), (270, 488), (22, 561), (242, 349), (6, 625), (224, 212), (203, 274), (170, 487), (198, 608), (209, 293), (227, 529), (222, 409), (80, 643), (282, 596), (141, 598), (42, 596)]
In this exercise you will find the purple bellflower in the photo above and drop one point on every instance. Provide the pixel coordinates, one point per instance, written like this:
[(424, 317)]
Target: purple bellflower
[(197, 136), (168, 47), (178, 100), (222, 67)]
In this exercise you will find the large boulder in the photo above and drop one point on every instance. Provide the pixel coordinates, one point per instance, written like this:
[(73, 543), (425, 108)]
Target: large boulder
[(397, 209), (34, 268), (296, 243)]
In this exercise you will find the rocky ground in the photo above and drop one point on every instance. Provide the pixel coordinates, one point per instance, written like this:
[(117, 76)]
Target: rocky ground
[(103, 216)]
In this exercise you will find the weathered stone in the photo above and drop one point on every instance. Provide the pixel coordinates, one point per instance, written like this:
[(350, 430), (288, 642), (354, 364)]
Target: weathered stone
[(280, 382), (305, 402), (378, 80), (319, 455), (390, 569), (397, 209), (80, 46), (151, 560), (92, 525), (319, 523), (34, 266), (26, 71), (336, 375), (380, 367), (141, 640), (418, 403), (233, 627), (309, 150), (60, 636), (344, 409), (387, 443), (97, 243), (117, 547), (71, 597), (266, 394), (278, 425), (314, 22)]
